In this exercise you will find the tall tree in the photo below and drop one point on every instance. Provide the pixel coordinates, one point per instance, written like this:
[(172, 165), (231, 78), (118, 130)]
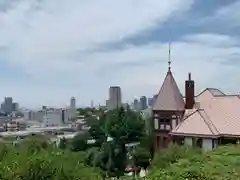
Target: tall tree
[(123, 126)]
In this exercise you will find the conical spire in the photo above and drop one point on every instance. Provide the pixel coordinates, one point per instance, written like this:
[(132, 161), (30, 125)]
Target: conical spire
[(169, 97)]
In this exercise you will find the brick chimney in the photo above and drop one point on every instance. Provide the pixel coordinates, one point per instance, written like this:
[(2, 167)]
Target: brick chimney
[(189, 93)]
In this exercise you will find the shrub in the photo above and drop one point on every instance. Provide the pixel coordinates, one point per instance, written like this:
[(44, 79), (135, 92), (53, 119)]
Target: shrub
[(79, 142), (221, 163), (17, 163), (172, 154)]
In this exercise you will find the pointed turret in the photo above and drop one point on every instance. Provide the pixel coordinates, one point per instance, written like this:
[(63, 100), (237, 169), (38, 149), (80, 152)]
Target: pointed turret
[(168, 109), (169, 97)]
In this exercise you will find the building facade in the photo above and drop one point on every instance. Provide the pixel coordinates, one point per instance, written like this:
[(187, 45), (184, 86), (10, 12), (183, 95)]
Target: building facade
[(73, 113), (204, 120), (168, 111), (115, 97), (143, 103)]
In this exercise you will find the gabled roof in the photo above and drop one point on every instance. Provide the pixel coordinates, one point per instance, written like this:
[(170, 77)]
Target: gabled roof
[(214, 92), (216, 114), (196, 124), (169, 97)]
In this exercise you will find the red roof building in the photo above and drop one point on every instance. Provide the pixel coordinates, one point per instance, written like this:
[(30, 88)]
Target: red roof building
[(205, 120)]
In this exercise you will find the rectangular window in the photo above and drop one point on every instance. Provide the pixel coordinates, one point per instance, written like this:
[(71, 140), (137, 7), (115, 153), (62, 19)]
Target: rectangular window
[(161, 121), (167, 121)]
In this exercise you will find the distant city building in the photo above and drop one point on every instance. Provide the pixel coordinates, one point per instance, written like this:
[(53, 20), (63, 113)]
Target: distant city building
[(30, 115), (115, 97), (15, 107), (73, 107), (8, 106), (56, 117), (143, 103), (2, 106), (150, 102), (136, 104), (92, 104), (107, 103), (125, 105)]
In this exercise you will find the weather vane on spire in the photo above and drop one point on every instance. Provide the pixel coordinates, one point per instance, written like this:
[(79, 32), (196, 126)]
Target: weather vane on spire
[(169, 56)]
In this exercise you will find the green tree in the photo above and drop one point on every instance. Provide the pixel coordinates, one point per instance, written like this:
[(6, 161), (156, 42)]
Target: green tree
[(63, 143), (91, 121), (79, 142), (98, 130), (142, 157), (123, 126)]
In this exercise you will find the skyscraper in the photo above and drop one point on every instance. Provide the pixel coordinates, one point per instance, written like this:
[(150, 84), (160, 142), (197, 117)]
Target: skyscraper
[(73, 107), (136, 104), (115, 97), (143, 103), (8, 104)]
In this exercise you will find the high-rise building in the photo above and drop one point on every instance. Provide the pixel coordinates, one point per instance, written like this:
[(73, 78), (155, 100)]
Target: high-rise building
[(150, 102), (143, 103), (73, 107), (115, 97), (8, 104), (15, 107), (136, 104)]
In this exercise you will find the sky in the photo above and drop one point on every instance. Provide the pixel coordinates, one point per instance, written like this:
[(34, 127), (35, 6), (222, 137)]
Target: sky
[(51, 50)]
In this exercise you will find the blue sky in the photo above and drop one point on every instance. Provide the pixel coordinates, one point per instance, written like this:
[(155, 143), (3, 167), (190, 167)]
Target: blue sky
[(51, 50)]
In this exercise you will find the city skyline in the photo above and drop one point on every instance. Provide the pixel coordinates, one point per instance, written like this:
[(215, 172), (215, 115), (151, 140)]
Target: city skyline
[(48, 54)]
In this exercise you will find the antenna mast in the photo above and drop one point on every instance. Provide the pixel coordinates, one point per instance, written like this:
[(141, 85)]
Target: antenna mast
[(169, 56)]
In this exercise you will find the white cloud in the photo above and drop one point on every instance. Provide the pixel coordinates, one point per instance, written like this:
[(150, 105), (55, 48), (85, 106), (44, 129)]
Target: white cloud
[(48, 41), (205, 59), (50, 31), (42, 37)]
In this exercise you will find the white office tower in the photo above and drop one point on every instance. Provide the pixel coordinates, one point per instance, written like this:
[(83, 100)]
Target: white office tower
[(73, 111), (115, 97)]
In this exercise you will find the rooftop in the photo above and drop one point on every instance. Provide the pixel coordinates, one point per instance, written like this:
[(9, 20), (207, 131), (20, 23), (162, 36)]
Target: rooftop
[(215, 114), (169, 97)]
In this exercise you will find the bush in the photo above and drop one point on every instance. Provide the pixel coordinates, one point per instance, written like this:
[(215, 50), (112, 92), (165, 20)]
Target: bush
[(62, 144), (142, 157), (172, 154), (79, 142), (221, 163), (18, 163)]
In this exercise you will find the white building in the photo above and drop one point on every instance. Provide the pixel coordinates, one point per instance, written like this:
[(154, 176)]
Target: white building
[(37, 115), (56, 117)]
